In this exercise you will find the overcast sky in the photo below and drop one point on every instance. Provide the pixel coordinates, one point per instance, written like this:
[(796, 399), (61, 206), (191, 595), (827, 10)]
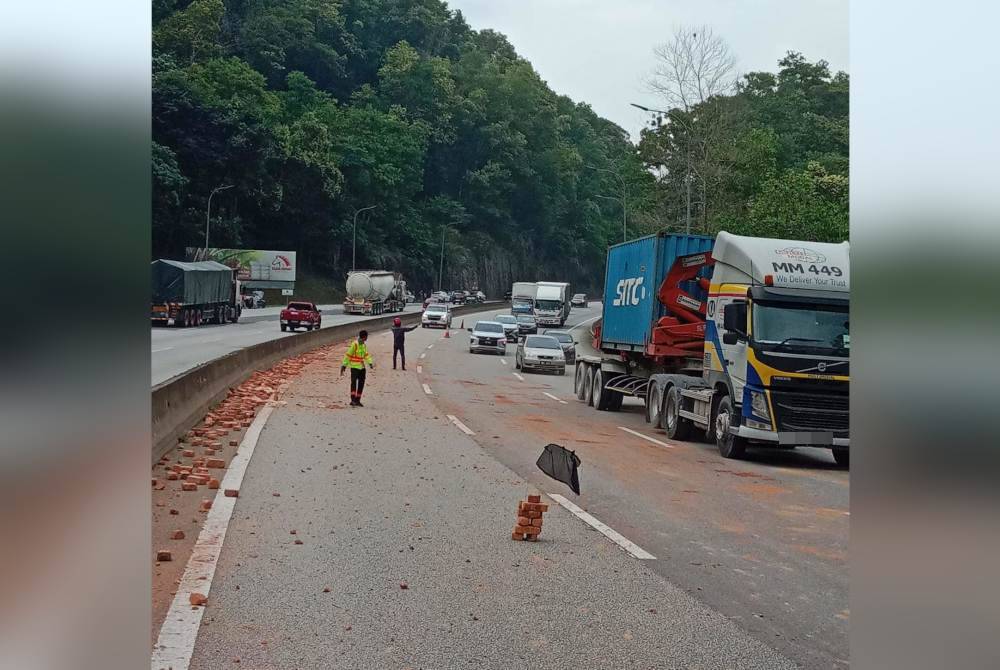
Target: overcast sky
[(600, 51)]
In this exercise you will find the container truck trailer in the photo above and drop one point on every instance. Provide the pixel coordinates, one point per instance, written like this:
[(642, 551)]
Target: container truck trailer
[(552, 303), (190, 294), (374, 292), (744, 339)]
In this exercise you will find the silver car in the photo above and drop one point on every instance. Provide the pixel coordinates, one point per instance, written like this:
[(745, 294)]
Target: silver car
[(488, 336), (567, 343), (540, 352), (509, 323)]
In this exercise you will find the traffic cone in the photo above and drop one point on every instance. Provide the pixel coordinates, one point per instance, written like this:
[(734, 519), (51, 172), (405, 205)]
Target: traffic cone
[(462, 327), (447, 333)]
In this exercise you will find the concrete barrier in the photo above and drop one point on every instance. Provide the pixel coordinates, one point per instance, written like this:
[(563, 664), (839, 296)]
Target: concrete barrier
[(180, 403)]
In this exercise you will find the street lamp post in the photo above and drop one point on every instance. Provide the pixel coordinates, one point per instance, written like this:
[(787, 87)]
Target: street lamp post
[(687, 176), (208, 209), (354, 236), (624, 198), (441, 264)]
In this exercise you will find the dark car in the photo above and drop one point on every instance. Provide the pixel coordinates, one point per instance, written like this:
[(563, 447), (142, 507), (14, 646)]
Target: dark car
[(567, 343), (526, 324), (506, 296)]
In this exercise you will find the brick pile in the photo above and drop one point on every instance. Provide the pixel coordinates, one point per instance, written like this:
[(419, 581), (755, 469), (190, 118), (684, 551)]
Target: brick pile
[(529, 519)]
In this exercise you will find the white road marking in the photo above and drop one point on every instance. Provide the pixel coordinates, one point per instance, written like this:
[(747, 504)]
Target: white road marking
[(461, 426), (583, 323), (420, 369), (646, 437), (607, 531), (422, 355), (503, 361), (163, 349), (545, 393), (430, 346), (519, 376), (427, 390), (179, 631)]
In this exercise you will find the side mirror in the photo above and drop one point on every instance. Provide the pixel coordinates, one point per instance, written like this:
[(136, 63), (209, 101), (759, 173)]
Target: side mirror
[(576, 341), (469, 329), (730, 338)]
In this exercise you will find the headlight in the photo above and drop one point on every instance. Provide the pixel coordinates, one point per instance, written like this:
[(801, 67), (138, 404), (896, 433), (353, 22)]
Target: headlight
[(472, 340), (758, 402)]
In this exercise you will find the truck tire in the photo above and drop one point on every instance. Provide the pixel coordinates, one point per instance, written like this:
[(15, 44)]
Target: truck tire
[(842, 457), (599, 395), (654, 406), (588, 385), (730, 446), (676, 426), (284, 328), (578, 375)]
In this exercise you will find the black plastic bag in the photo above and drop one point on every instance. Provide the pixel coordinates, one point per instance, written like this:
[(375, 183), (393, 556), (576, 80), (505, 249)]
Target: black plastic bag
[(561, 464)]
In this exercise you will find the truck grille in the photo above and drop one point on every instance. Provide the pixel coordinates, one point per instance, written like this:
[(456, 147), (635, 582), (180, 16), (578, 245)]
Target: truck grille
[(487, 340), (811, 412)]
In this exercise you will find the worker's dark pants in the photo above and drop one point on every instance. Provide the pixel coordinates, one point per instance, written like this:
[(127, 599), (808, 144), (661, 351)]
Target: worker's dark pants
[(357, 383), (402, 355)]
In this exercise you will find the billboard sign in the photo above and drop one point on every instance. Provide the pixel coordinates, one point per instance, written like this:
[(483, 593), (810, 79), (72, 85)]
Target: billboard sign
[(251, 264)]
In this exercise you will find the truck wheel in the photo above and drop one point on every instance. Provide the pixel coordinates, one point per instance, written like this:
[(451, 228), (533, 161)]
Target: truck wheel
[(588, 385), (843, 457), (284, 328), (599, 395), (676, 426), (654, 405), (579, 387), (730, 446)]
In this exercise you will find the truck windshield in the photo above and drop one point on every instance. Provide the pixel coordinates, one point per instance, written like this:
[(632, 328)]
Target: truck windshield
[(548, 304), (791, 326)]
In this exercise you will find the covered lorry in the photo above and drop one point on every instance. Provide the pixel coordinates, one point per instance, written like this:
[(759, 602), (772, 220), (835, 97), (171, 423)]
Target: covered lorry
[(522, 297), (189, 294), (746, 339), (552, 303), (374, 292)]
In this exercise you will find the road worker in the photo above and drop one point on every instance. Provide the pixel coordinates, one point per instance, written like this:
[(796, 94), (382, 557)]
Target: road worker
[(356, 358), (399, 340)]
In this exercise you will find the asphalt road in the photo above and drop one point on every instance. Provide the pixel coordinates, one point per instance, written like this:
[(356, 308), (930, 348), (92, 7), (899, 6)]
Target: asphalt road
[(177, 350), (763, 541)]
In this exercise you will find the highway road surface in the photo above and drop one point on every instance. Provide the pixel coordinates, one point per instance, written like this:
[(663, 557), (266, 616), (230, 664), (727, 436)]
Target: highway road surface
[(177, 350), (380, 536)]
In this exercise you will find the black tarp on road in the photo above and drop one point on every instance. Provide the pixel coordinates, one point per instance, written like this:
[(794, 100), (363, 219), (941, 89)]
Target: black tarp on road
[(190, 283)]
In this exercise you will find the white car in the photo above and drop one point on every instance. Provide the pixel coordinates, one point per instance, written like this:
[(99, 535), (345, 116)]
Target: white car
[(509, 323), (437, 315), (540, 352), (578, 300), (488, 336)]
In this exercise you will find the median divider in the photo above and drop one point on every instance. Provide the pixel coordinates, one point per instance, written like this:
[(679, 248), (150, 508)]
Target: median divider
[(181, 402)]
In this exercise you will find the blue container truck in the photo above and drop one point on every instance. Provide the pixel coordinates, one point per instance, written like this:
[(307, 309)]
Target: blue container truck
[(743, 338)]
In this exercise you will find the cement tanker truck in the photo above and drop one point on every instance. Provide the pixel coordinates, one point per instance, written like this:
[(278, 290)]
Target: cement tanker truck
[(374, 292)]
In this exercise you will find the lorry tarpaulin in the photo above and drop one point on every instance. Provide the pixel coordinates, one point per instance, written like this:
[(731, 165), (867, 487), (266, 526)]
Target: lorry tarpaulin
[(199, 283), (561, 464)]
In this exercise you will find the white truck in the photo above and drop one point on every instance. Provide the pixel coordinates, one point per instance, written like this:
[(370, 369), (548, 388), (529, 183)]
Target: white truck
[(552, 303), (522, 297)]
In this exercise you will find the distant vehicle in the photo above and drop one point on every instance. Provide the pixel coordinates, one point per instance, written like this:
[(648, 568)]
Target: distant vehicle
[(552, 303), (579, 300), (437, 315), (410, 297), (189, 294), (457, 297), (480, 296), (374, 292), (506, 296), (526, 324), (300, 315), (540, 352), (254, 300), (567, 343), (488, 336), (523, 297), (509, 323)]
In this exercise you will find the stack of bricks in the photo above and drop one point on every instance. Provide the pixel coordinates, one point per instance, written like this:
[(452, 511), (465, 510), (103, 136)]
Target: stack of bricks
[(529, 519)]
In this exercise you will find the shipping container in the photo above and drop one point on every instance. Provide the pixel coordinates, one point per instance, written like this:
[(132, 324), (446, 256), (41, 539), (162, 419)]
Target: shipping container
[(633, 275)]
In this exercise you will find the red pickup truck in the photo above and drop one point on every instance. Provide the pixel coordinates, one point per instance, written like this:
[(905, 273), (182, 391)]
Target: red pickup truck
[(300, 315)]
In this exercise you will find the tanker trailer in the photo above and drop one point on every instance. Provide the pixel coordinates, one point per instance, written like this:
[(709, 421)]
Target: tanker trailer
[(371, 292)]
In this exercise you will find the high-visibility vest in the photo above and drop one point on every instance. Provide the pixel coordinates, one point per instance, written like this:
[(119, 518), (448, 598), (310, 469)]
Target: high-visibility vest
[(357, 355)]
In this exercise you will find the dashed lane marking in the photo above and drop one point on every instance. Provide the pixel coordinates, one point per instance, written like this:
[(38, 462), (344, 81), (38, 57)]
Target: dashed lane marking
[(519, 376), (427, 390), (610, 533), (461, 426), (179, 631), (547, 394), (503, 361), (422, 355), (646, 437), (420, 369), (430, 346)]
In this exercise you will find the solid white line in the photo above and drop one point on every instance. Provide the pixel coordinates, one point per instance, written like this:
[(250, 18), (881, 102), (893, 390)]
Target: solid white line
[(420, 368), (422, 355), (163, 349), (519, 376), (503, 361), (554, 398), (583, 323), (461, 426), (179, 631), (646, 437), (427, 390), (607, 531)]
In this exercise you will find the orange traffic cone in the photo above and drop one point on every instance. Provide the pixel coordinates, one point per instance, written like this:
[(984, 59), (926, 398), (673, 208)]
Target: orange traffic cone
[(447, 333)]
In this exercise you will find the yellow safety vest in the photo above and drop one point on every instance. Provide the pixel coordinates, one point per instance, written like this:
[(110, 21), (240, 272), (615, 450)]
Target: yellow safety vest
[(357, 355)]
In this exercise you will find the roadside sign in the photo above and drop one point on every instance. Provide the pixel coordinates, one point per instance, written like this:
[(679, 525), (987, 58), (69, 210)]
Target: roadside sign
[(286, 291)]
